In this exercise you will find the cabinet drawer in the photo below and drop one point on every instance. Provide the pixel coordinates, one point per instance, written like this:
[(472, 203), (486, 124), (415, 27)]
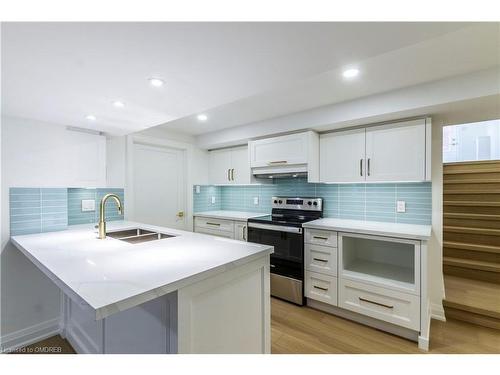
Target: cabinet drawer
[(214, 224), (321, 259), (394, 307), (321, 287), (214, 232), (321, 237)]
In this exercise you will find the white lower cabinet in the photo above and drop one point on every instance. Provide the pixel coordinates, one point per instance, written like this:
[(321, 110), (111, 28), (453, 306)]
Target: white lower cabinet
[(233, 229), (321, 259), (240, 230), (391, 306), (375, 276), (321, 287)]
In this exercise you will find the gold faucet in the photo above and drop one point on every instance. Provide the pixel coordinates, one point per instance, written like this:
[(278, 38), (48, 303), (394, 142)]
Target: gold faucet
[(102, 216)]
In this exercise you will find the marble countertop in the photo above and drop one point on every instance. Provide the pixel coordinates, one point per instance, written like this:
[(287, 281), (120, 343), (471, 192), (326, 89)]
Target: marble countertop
[(229, 215), (409, 231), (111, 275)]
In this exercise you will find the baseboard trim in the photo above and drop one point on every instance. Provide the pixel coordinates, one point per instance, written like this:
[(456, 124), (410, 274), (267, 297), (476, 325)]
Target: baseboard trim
[(437, 312), (29, 335)]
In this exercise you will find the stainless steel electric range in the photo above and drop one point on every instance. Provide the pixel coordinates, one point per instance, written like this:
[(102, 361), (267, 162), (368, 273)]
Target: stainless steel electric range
[(283, 230)]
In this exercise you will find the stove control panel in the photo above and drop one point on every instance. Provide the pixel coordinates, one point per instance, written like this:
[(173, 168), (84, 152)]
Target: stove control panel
[(296, 203)]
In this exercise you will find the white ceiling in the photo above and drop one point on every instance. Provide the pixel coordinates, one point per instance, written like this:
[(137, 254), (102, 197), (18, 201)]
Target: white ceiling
[(235, 72)]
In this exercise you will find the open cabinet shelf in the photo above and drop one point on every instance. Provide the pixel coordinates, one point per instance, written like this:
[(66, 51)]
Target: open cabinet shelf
[(391, 263)]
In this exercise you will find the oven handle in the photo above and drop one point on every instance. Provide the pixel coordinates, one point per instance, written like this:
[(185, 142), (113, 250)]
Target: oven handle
[(276, 228)]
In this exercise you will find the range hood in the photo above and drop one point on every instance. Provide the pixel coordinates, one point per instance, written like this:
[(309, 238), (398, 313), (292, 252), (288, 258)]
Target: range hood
[(281, 171)]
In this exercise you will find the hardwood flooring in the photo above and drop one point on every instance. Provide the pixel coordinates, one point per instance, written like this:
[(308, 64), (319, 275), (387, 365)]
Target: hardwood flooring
[(302, 330)]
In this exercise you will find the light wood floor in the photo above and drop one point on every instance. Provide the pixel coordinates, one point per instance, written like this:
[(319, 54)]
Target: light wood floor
[(305, 330), (302, 330)]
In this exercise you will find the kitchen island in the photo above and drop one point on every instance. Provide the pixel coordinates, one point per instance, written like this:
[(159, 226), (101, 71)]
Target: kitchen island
[(185, 293)]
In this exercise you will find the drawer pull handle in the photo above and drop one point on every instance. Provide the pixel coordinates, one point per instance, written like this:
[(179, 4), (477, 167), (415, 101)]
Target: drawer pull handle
[(320, 288), (320, 238), (216, 224), (376, 303), (320, 260), (272, 265), (278, 162)]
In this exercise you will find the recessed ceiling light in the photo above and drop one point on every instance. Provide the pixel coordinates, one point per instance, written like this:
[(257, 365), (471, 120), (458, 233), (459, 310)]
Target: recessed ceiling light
[(202, 117), (350, 73), (118, 104), (91, 117), (156, 82)]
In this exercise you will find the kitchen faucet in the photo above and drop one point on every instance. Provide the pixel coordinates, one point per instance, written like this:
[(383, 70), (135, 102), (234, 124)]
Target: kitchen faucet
[(102, 216)]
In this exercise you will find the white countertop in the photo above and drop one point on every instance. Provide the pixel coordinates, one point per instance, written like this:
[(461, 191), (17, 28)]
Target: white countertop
[(410, 231), (111, 275), (230, 215)]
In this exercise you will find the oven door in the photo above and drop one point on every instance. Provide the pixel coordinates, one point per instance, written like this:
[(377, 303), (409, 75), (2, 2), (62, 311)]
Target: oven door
[(287, 261), (288, 242)]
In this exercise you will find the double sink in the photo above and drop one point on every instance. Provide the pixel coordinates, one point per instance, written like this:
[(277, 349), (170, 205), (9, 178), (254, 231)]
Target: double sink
[(138, 235)]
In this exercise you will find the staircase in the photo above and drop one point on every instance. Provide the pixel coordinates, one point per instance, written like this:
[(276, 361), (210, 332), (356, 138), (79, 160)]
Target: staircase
[(471, 241)]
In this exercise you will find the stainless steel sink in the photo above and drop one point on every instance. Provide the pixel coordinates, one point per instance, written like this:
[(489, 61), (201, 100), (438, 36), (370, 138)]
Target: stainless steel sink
[(138, 235)]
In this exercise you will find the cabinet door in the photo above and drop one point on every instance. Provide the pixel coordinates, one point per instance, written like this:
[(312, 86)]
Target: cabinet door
[(342, 156), (284, 150), (240, 167), (396, 152), (219, 166), (240, 231)]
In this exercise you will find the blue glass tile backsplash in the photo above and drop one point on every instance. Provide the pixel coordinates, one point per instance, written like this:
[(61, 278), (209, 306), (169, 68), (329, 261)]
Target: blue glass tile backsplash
[(374, 202), (37, 210), (77, 216)]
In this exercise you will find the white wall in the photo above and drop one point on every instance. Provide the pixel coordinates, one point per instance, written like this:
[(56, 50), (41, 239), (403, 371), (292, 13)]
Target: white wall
[(36, 154)]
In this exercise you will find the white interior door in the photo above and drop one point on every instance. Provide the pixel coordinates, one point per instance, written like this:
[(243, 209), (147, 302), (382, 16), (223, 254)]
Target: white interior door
[(159, 186)]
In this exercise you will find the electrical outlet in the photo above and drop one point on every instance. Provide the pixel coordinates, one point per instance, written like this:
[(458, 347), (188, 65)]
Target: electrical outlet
[(88, 205), (256, 200), (197, 189), (400, 206), (213, 200)]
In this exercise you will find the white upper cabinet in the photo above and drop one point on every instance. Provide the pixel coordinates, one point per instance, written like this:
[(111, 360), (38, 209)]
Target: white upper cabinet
[(288, 153), (286, 149), (391, 152), (396, 152), (240, 166), (220, 166), (342, 156), (229, 166)]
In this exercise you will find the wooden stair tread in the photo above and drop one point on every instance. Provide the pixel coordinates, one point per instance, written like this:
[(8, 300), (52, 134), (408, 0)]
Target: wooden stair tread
[(460, 215), (472, 181), (472, 247), (468, 171), (470, 203), (478, 297), (485, 231), (473, 191), (470, 263)]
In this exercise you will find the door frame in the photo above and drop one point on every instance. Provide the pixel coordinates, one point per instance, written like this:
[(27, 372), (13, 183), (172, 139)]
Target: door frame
[(132, 141)]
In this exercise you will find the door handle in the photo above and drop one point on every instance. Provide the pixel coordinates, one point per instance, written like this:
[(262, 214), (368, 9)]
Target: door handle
[(320, 288), (368, 167), (180, 214), (361, 167), (320, 260), (244, 229), (376, 303), (228, 175), (232, 174)]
